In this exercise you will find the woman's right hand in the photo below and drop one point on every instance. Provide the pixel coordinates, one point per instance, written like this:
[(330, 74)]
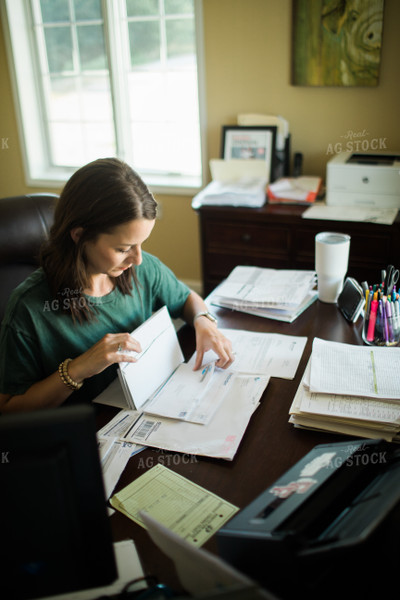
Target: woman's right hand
[(112, 348)]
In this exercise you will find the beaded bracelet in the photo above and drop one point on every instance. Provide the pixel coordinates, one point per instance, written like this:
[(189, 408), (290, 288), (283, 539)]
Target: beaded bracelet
[(65, 378)]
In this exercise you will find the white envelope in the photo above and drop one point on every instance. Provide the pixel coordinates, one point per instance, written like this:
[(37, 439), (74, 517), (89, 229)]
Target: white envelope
[(161, 354), (221, 437)]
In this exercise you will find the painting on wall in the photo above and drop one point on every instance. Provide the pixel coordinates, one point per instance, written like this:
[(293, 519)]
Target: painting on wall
[(337, 42)]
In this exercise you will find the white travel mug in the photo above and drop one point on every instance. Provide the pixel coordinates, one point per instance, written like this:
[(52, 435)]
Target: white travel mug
[(331, 263)]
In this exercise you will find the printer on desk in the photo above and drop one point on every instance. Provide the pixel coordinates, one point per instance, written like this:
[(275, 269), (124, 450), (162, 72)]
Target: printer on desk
[(361, 179), (328, 528)]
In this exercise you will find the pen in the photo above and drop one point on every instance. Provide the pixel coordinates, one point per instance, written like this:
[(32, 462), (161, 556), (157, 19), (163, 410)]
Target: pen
[(388, 309), (370, 297), (379, 324), (385, 338), (366, 299), (396, 319), (372, 320)]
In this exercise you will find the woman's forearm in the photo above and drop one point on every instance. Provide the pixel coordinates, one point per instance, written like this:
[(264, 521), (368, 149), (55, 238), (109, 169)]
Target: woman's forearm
[(193, 305), (47, 393)]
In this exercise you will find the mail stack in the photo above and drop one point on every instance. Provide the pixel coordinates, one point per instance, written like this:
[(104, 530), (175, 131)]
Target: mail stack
[(352, 390)]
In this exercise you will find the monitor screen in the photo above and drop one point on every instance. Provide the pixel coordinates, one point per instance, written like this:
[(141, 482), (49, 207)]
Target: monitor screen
[(55, 534)]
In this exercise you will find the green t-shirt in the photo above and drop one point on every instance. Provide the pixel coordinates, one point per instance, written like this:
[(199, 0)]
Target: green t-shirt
[(36, 335)]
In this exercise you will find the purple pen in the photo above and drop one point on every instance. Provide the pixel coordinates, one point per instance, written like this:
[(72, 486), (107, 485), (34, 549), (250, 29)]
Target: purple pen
[(379, 324), (385, 323), (388, 310)]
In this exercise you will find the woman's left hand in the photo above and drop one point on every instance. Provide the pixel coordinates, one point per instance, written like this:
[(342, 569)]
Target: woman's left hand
[(208, 337)]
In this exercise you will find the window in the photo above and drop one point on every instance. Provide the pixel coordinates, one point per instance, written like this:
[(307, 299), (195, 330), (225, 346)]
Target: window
[(108, 78)]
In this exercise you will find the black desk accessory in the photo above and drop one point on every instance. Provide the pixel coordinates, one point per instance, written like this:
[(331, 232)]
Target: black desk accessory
[(351, 300), (329, 525), (55, 533)]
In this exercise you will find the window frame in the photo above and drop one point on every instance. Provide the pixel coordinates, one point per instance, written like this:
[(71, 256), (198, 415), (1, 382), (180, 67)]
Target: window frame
[(29, 104)]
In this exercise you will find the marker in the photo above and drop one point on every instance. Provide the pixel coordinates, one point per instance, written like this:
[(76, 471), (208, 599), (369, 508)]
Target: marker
[(372, 321)]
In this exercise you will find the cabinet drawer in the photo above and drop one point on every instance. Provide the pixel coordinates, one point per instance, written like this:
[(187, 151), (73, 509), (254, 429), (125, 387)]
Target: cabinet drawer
[(246, 237), (372, 245)]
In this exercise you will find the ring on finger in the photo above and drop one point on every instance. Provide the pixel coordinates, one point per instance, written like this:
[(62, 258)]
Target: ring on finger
[(119, 348)]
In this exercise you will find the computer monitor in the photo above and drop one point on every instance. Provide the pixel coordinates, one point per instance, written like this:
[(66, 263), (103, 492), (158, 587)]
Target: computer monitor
[(55, 534)]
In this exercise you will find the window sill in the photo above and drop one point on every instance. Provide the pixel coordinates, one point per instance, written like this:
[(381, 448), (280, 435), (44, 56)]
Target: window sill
[(158, 184)]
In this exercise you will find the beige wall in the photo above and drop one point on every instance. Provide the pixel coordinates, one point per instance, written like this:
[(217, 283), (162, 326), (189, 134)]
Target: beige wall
[(248, 57)]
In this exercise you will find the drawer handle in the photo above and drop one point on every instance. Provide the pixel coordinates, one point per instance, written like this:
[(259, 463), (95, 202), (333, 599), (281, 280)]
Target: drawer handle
[(246, 237)]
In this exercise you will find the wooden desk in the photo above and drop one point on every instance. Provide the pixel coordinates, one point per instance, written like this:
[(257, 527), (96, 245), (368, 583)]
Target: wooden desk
[(276, 236), (269, 447)]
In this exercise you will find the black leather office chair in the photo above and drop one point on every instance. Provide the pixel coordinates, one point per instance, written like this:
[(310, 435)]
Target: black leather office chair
[(25, 222)]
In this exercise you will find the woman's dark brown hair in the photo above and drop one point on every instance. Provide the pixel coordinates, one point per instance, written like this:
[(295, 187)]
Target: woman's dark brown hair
[(98, 197)]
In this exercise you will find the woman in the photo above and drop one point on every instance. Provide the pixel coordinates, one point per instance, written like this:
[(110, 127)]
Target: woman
[(67, 325)]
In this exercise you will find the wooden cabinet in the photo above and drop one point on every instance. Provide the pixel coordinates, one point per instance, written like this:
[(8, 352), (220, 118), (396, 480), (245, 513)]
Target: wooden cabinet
[(277, 236)]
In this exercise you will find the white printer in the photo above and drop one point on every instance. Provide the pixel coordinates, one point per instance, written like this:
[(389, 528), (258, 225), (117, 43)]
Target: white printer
[(361, 179)]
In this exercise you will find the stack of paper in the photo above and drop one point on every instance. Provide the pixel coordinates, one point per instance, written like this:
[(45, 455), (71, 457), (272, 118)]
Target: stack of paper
[(246, 191), (354, 390), (202, 412), (280, 294), (294, 190)]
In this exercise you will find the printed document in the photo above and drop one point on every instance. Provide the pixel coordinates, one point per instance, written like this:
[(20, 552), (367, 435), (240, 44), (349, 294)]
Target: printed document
[(206, 412), (172, 389), (355, 370), (273, 354), (258, 286), (279, 294), (218, 439), (342, 406), (114, 455), (342, 396), (189, 510)]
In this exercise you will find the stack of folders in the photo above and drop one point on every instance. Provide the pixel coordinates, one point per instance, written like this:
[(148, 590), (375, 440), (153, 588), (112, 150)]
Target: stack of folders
[(352, 390), (280, 294)]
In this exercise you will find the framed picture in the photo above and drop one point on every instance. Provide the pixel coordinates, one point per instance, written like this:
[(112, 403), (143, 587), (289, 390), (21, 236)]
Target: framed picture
[(336, 43), (250, 142)]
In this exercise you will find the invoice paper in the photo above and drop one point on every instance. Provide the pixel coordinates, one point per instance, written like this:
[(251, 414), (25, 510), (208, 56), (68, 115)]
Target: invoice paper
[(189, 510)]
